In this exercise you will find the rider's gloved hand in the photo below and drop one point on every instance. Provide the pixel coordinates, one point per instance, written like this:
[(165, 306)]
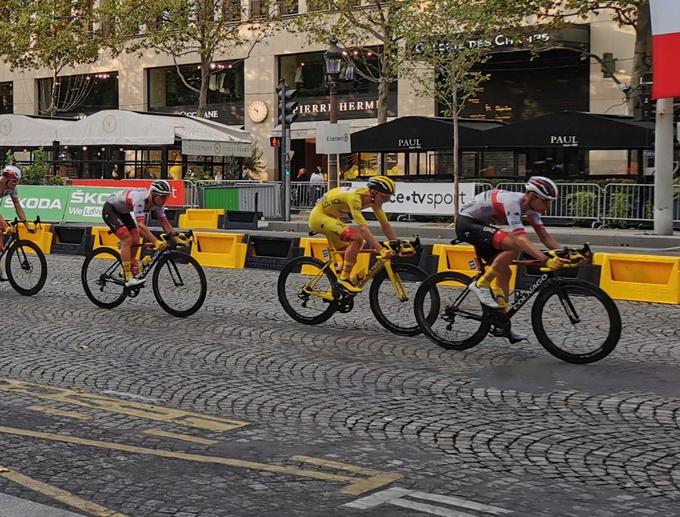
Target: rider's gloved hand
[(9, 230), (30, 226), (406, 249), (181, 239), (160, 245), (555, 263)]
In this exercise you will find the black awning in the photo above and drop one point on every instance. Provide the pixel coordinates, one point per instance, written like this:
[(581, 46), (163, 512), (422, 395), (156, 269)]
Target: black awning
[(413, 134), (573, 129)]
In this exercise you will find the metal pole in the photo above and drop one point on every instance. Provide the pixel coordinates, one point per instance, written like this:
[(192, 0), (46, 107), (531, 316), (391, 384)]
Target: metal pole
[(663, 175), (333, 158)]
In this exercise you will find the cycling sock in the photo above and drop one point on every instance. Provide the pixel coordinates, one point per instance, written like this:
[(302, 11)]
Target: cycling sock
[(346, 271), (500, 300), (486, 279), (127, 269)]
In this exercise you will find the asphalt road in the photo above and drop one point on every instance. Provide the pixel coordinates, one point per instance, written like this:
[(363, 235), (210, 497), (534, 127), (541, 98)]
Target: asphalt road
[(238, 410)]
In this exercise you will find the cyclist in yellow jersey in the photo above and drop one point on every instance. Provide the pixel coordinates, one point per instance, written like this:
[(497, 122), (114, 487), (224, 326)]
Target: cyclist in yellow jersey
[(344, 201)]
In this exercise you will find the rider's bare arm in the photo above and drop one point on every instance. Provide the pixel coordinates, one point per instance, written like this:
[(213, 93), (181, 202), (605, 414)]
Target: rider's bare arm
[(19, 209), (167, 227), (546, 238), (385, 224), (529, 247), (147, 234)]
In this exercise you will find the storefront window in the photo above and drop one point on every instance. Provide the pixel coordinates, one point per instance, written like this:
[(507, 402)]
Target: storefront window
[(6, 98), (357, 93), (168, 93), (521, 86), (80, 94)]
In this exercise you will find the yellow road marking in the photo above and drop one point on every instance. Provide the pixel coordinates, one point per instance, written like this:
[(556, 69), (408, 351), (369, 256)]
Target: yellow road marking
[(58, 494), (184, 437), (356, 486), (59, 412), (126, 407), (375, 479)]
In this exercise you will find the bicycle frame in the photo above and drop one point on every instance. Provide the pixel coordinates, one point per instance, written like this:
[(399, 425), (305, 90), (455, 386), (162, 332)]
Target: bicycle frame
[(13, 237), (380, 263)]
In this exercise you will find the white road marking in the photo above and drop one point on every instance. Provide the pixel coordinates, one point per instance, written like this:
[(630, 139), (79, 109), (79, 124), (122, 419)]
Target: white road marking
[(404, 498)]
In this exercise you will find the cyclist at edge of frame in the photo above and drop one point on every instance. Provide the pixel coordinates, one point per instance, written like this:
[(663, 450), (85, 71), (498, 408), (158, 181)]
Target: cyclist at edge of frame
[(341, 202), (124, 213), (9, 179), (475, 225)]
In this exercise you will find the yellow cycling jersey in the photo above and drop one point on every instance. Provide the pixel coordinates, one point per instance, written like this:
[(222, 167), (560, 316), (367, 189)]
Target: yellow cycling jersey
[(343, 201)]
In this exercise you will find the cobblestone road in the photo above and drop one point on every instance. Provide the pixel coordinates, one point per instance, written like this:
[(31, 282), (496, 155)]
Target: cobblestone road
[(299, 420)]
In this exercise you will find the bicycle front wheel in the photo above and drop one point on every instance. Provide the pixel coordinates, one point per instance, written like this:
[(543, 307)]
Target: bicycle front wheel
[(26, 267), (307, 291), (576, 321), (103, 278), (449, 314), (392, 303), (179, 284)]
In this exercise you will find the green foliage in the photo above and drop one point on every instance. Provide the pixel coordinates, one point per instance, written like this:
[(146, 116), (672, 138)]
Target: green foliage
[(182, 28), (619, 210), (388, 23), (53, 35), (34, 173), (582, 205)]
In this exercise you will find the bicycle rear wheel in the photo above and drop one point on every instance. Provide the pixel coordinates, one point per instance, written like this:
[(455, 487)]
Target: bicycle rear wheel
[(26, 267), (179, 284), (576, 321), (394, 314), (449, 314), (103, 278), (306, 290)]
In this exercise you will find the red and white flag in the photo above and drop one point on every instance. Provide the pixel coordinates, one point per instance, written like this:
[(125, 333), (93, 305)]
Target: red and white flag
[(665, 48)]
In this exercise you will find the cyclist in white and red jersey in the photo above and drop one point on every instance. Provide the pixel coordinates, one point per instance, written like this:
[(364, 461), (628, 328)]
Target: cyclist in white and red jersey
[(476, 225), (10, 175), (125, 212)]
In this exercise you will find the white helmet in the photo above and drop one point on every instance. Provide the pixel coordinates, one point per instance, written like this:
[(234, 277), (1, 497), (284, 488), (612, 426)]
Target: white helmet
[(543, 187), (12, 172), (161, 187)]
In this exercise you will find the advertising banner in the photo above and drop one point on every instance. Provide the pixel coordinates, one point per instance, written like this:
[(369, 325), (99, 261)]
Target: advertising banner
[(49, 202), (85, 204), (425, 198), (176, 198)]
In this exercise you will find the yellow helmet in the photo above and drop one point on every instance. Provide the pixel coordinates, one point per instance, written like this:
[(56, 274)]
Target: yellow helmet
[(383, 184)]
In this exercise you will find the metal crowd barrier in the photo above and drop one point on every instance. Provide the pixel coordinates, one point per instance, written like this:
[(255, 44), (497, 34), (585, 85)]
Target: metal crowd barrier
[(268, 195), (304, 195), (626, 203), (577, 201)]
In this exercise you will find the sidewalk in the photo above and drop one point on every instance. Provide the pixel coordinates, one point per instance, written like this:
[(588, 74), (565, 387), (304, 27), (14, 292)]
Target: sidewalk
[(11, 506), (618, 240)]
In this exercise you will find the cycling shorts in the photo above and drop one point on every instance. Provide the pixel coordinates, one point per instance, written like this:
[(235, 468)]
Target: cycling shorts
[(331, 227), (485, 238), (115, 220)]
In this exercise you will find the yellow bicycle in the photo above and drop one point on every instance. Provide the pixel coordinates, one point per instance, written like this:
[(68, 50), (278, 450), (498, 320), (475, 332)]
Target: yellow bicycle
[(310, 293)]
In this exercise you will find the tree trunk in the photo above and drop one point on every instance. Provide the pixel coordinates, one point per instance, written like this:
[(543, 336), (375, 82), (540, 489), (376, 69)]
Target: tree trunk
[(642, 56), (383, 90), (456, 164), (54, 95), (205, 83)]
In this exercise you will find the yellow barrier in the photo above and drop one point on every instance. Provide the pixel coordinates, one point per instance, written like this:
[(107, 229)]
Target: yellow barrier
[(642, 278), (317, 248), (225, 250), (42, 236), (461, 258), (200, 218)]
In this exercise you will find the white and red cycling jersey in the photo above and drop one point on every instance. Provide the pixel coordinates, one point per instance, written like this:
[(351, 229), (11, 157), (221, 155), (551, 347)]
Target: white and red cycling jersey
[(134, 201), (501, 207)]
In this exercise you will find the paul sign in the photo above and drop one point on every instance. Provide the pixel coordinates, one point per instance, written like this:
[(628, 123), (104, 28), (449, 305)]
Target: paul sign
[(564, 140)]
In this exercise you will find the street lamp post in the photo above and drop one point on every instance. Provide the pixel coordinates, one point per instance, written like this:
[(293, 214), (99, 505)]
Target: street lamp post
[(333, 57)]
